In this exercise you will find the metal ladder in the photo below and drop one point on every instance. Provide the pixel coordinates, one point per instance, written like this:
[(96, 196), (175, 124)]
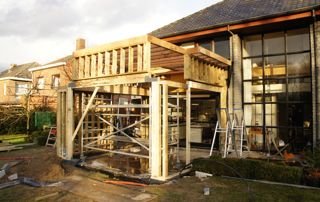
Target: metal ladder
[(220, 129), (51, 140), (238, 128)]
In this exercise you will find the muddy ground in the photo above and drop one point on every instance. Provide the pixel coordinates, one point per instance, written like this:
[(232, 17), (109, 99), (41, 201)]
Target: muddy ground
[(82, 185)]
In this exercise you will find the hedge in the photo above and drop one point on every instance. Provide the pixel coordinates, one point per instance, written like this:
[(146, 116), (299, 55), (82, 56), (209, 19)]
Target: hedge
[(251, 169)]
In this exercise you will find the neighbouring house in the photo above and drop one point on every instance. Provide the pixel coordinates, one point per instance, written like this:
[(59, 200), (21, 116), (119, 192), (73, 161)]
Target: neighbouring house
[(15, 83), (254, 56), (47, 79)]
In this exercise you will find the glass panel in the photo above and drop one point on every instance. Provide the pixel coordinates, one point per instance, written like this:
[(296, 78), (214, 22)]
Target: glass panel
[(298, 40), (206, 45), (252, 68), (222, 47), (299, 89), (275, 66), (299, 64), (253, 114), (252, 46), (255, 137), (274, 43), (253, 91), (275, 88), (276, 114)]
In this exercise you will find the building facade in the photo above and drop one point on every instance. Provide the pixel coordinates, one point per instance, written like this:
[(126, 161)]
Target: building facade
[(274, 75), (15, 84), (47, 79)]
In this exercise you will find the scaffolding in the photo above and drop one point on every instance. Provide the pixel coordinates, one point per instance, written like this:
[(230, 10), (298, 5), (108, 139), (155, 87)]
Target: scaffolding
[(132, 97)]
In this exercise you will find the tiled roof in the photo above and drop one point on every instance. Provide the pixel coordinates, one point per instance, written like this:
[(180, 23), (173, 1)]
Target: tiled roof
[(233, 11), (20, 71)]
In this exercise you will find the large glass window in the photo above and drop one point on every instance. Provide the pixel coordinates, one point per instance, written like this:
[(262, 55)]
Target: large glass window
[(219, 45), (277, 89)]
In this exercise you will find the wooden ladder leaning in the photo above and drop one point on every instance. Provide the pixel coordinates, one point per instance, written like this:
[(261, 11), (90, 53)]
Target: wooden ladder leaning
[(51, 140)]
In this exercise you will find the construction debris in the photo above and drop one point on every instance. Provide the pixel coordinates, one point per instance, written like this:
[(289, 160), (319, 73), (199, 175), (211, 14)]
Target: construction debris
[(46, 196), (13, 177), (200, 174), (124, 183)]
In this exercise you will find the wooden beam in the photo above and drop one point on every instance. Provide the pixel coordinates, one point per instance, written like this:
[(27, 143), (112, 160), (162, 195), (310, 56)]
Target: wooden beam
[(69, 124), (131, 59), (113, 80), (114, 62), (139, 59), (165, 155), (156, 130), (111, 46), (100, 64), (210, 54), (122, 61), (165, 44), (85, 112), (202, 86), (107, 63), (146, 56)]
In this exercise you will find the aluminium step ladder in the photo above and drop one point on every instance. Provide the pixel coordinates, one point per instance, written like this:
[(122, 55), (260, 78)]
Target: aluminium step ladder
[(222, 128), (235, 132), (238, 128), (51, 140)]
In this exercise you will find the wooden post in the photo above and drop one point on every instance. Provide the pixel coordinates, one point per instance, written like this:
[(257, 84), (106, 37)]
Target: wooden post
[(69, 124), (165, 131), (156, 130), (59, 125), (188, 123), (81, 131)]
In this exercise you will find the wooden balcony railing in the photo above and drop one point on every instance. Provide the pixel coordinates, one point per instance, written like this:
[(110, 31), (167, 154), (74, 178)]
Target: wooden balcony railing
[(147, 54)]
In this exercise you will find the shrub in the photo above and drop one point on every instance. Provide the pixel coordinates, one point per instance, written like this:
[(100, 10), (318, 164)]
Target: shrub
[(251, 169)]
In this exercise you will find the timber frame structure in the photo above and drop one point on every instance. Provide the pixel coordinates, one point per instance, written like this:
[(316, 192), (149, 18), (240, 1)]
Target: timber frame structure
[(154, 75)]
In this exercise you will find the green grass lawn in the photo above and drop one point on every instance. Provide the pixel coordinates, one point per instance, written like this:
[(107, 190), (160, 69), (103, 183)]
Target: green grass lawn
[(222, 189), (14, 138)]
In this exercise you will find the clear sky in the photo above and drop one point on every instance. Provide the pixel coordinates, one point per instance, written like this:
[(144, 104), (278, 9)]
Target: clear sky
[(45, 30)]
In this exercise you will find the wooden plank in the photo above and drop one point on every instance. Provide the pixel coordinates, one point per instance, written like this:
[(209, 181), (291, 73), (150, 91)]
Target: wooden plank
[(166, 44), (131, 59), (69, 124), (139, 59), (93, 65), (107, 63), (146, 56), (100, 64), (114, 62), (165, 155), (80, 134), (209, 54), (112, 46), (81, 67), (87, 67), (59, 124), (85, 112), (187, 66), (202, 86), (122, 61), (156, 130)]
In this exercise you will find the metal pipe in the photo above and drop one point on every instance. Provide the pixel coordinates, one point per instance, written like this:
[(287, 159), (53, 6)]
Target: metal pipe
[(316, 80)]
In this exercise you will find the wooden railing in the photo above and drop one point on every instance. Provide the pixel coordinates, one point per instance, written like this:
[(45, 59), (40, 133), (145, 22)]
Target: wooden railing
[(131, 56), (147, 54), (204, 66)]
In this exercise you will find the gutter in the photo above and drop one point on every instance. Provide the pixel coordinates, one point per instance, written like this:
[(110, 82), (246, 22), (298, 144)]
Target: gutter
[(15, 78), (302, 13), (47, 66)]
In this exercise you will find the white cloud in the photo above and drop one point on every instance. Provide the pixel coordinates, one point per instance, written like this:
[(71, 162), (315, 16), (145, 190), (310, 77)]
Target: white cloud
[(44, 30)]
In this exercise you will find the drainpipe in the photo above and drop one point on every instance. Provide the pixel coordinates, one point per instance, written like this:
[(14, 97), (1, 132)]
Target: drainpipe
[(230, 74), (316, 75)]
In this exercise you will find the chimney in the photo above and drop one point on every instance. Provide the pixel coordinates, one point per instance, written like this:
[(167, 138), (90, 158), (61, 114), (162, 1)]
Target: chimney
[(80, 44), (12, 66)]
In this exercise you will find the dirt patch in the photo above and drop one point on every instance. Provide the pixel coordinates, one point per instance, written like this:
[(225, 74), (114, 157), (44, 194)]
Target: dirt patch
[(44, 165)]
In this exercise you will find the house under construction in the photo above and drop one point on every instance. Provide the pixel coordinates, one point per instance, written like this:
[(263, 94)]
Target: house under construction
[(141, 98)]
